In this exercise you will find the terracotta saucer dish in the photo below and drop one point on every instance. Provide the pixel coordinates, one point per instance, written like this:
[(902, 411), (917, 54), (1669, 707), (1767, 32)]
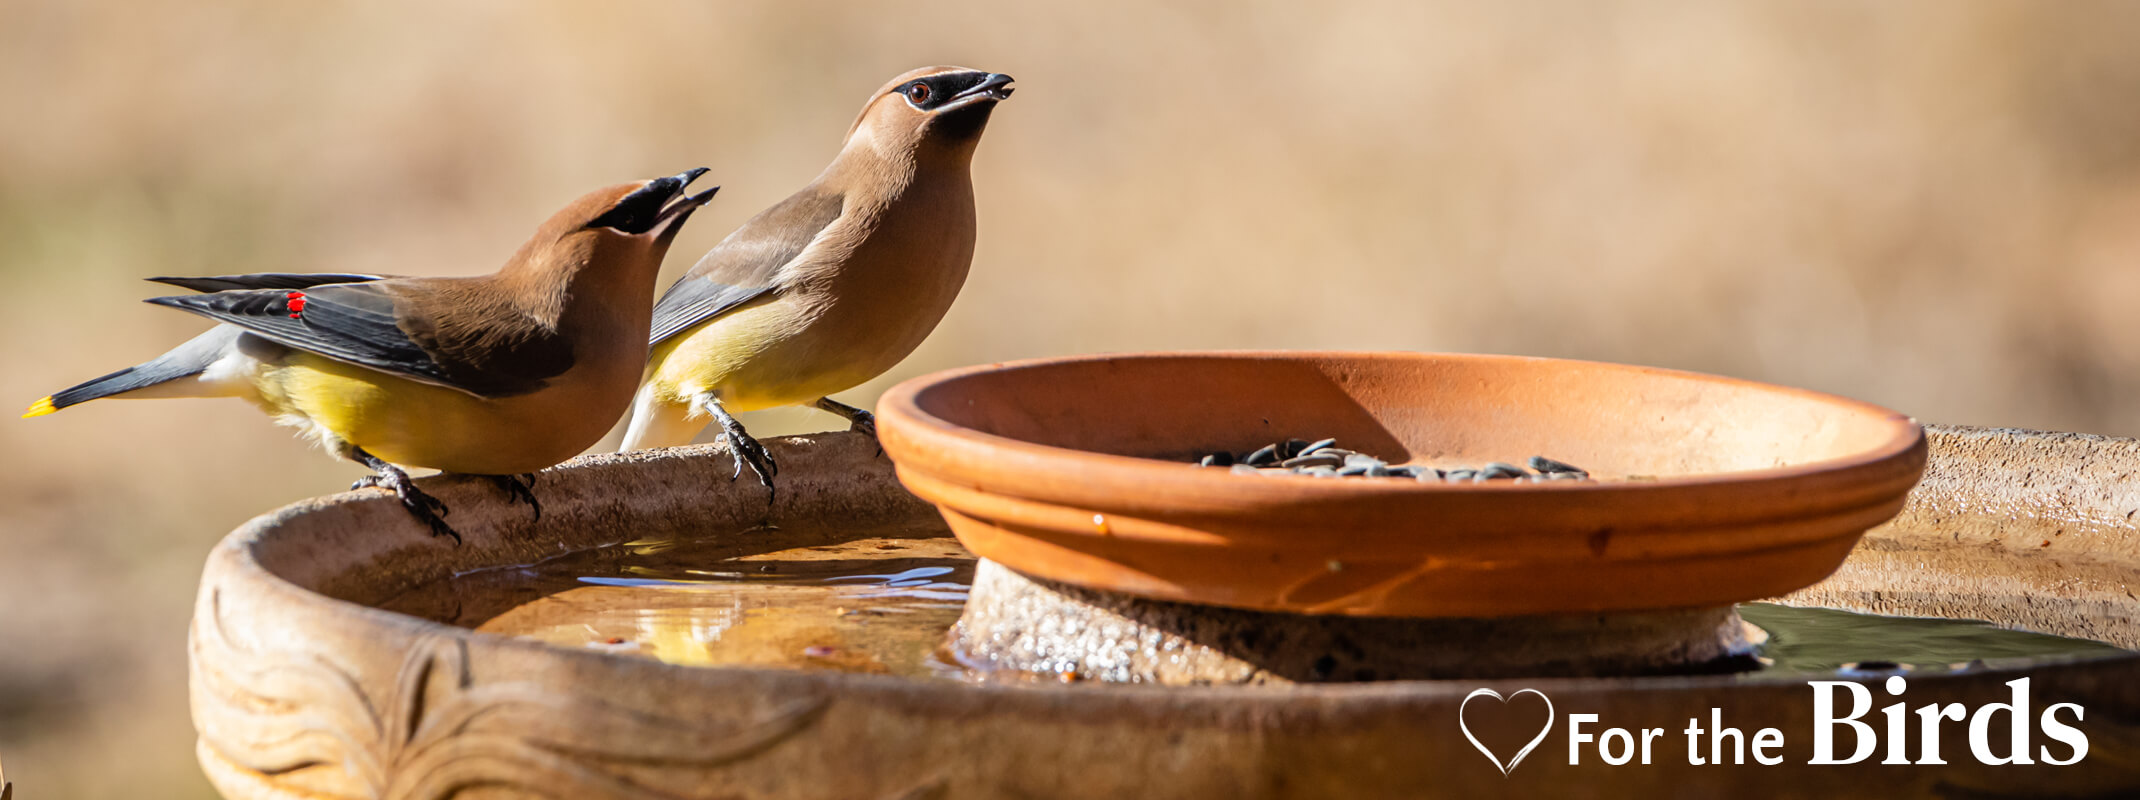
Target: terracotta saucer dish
[(1706, 490)]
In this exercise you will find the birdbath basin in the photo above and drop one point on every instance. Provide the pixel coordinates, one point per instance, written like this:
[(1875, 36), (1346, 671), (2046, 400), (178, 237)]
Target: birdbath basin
[(303, 686), (1708, 490)]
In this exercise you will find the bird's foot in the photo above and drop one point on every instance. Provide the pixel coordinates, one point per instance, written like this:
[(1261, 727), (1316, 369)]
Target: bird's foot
[(519, 488), (740, 444), (748, 451), (427, 509), (858, 420), (865, 423)]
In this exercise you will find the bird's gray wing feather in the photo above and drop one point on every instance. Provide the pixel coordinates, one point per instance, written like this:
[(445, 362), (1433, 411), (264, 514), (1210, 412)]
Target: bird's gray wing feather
[(362, 324), (265, 280), (694, 300), (746, 265)]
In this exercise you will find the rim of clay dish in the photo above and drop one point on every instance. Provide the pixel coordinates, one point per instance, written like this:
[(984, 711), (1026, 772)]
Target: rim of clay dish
[(903, 401), (1150, 527)]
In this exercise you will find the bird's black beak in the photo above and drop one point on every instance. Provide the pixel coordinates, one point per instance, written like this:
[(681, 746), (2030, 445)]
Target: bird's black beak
[(649, 206), (686, 205), (673, 216), (995, 86), (962, 117)]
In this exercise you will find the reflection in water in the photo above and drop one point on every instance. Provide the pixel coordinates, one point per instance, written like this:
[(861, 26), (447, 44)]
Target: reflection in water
[(1820, 640), (872, 605), (884, 605)]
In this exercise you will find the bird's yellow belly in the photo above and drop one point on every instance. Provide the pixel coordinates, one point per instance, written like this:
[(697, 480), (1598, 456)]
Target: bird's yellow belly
[(765, 356), (421, 425)]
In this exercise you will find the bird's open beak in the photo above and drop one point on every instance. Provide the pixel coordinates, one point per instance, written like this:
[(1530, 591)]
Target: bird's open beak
[(673, 215), (994, 87), (686, 204), (650, 205), (672, 188)]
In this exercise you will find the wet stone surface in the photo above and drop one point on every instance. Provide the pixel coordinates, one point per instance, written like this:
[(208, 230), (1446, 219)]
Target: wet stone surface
[(1017, 622), (1323, 458)]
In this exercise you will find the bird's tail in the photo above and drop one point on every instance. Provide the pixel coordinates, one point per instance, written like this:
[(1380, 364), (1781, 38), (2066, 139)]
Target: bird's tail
[(656, 422), (156, 377)]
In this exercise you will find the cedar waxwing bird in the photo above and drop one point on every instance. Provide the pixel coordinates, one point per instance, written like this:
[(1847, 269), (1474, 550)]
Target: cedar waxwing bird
[(498, 375), (832, 286)]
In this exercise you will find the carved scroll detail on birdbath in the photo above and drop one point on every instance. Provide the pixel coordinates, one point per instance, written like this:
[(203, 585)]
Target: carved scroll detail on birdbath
[(299, 714)]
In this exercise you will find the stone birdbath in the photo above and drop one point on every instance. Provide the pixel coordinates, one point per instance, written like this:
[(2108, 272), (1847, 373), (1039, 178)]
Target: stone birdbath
[(305, 685)]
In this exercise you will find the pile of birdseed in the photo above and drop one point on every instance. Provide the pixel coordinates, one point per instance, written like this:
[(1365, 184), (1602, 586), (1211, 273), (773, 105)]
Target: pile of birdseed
[(1324, 459)]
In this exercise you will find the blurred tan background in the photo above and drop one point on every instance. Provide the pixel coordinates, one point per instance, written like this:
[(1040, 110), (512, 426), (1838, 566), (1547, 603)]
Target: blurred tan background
[(1932, 205)]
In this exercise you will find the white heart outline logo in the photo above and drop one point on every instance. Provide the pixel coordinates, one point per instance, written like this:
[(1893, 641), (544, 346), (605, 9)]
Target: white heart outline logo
[(1466, 728)]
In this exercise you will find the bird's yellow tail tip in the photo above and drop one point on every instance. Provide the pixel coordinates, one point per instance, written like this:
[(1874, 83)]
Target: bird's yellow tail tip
[(40, 408)]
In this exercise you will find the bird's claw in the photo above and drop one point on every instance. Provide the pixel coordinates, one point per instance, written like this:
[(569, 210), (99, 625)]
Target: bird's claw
[(864, 423), (858, 420), (428, 510), (745, 449), (519, 488), (748, 451)]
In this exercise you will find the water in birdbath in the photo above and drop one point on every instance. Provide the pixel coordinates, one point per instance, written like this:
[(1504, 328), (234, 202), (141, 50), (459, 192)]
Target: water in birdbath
[(871, 605), (884, 605)]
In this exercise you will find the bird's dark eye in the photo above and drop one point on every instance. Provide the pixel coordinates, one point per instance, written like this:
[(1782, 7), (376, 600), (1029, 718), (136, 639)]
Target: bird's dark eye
[(918, 92)]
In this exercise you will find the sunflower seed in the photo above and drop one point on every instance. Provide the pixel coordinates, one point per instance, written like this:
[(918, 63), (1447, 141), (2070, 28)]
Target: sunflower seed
[(1543, 464), (1502, 469), (1323, 458)]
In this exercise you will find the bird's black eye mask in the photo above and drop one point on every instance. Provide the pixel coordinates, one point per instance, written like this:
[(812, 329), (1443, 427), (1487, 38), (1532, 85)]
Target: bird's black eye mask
[(936, 91), (639, 211)]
